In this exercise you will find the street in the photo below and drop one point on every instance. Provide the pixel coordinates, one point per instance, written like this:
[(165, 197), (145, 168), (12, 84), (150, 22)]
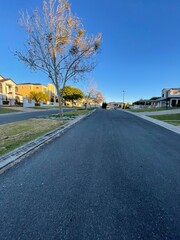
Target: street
[(8, 118), (113, 176)]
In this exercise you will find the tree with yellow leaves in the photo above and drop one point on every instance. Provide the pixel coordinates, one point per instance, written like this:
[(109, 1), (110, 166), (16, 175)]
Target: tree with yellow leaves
[(57, 44)]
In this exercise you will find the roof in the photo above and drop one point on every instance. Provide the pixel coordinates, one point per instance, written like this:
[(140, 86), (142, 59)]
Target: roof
[(175, 88), (115, 102), (6, 79), (1, 76), (171, 89), (160, 99), (29, 84)]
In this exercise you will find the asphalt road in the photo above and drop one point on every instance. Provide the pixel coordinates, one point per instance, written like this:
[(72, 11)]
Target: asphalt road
[(14, 117), (112, 176)]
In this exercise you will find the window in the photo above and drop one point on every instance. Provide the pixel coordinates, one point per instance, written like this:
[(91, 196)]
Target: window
[(0, 87)]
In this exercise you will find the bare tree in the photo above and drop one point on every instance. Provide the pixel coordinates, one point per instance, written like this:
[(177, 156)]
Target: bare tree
[(91, 91), (99, 98), (57, 44), (93, 94)]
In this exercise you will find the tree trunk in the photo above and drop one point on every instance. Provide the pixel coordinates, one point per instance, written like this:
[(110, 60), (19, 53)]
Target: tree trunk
[(60, 103)]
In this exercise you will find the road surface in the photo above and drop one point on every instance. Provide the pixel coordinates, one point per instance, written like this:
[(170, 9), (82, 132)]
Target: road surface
[(112, 176)]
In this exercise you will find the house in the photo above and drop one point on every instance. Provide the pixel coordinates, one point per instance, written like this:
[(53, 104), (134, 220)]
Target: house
[(145, 103), (25, 88), (8, 89), (170, 97), (115, 105)]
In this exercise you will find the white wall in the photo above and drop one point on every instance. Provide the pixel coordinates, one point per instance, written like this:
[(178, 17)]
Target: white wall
[(1, 99), (27, 103)]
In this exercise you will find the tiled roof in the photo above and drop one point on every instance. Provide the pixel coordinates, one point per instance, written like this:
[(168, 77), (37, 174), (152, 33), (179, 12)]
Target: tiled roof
[(6, 79), (29, 84)]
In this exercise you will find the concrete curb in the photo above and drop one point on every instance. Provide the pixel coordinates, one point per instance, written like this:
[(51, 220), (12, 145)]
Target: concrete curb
[(15, 156), (158, 122)]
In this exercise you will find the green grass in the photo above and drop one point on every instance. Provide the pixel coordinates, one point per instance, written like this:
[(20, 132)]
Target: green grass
[(149, 109), (51, 106), (63, 106), (173, 119), (41, 108), (13, 135), (8, 110), (70, 114), (76, 113)]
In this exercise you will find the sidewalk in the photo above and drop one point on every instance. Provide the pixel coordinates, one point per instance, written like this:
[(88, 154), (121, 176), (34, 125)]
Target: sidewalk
[(173, 111), (168, 126)]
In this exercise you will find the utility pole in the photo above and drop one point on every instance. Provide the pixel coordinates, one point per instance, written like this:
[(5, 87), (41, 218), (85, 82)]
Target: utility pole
[(123, 98)]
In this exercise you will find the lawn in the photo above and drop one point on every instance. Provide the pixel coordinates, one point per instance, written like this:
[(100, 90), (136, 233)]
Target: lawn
[(76, 113), (41, 108), (13, 135), (149, 109), (8, 110), (70, 114), (173, 119)]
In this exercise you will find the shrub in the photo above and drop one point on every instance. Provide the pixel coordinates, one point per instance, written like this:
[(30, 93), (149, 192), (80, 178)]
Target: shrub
[(19, 104), (104, 105), (5, 102)]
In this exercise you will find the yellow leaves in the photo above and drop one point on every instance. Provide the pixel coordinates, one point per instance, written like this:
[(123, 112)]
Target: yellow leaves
[(78, 40), (63, 39), (60, 43), (72, 22), (81, 32), (66, 5)]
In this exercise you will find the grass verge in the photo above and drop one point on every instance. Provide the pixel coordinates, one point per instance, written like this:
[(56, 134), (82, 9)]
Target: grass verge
[(149, 109), (69, 115), (13, 135), (7, 110), (77, 112), (173, 119), (41, 108)]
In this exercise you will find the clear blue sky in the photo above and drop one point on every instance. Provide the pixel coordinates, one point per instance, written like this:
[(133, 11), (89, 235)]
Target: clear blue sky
[(140, 51)]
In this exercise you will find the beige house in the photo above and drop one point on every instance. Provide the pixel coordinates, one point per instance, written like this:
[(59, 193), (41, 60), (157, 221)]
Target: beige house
[(24, 89), (8, 89)]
